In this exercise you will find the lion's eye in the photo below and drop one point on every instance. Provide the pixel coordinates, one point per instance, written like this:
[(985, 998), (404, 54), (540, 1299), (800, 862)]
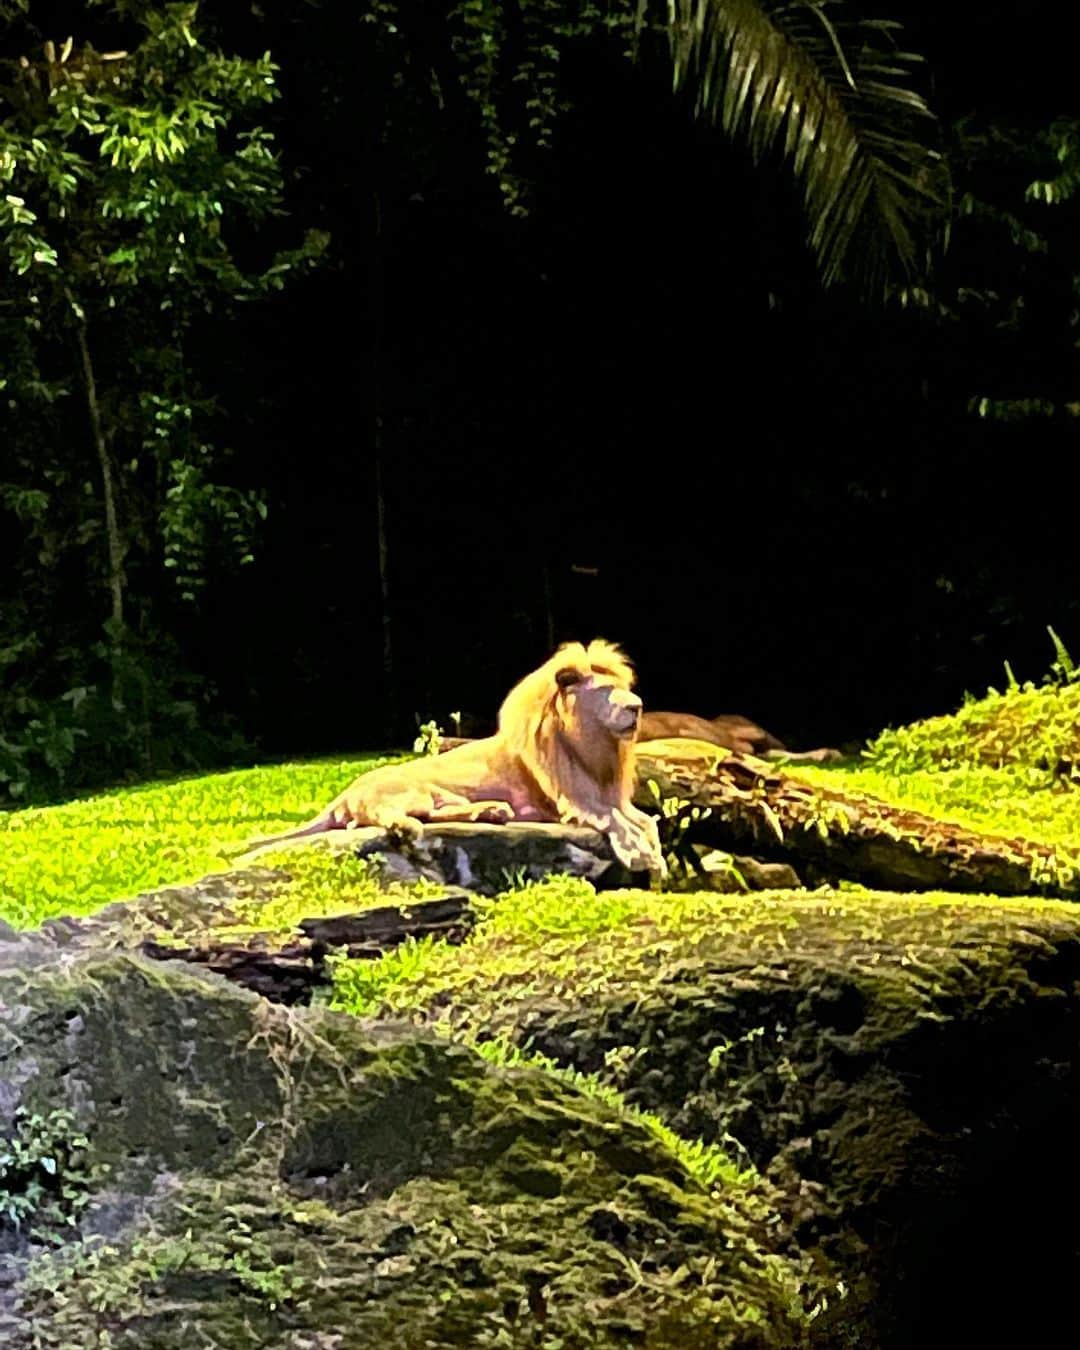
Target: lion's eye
[(568, 677)]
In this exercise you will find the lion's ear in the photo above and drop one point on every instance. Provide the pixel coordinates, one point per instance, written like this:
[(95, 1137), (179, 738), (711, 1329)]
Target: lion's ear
[(568, 677)]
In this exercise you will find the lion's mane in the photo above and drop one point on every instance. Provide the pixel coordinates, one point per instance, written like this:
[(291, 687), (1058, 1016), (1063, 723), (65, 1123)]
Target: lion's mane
[(571, 762), (550, 760)]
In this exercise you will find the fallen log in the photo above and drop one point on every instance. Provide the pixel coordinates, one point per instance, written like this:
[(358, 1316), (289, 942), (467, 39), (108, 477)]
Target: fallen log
[(286, 968), (830, 834)]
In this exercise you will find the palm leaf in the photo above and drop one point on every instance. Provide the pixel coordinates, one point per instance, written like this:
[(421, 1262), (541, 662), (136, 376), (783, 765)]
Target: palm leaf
[(833, 93)]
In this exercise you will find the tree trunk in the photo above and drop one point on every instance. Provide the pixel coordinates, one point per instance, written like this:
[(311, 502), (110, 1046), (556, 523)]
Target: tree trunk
[(828, 834), (112, 525)]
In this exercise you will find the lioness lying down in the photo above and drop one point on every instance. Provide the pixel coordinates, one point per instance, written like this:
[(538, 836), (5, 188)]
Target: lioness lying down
[(563, 752), (730, 731)]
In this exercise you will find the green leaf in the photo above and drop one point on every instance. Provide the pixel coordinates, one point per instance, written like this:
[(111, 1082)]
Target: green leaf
[(832, 94)]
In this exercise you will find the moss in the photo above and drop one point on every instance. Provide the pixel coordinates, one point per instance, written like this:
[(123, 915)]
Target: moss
[(535, 943), (325, 1174), (870, 1054), (321, 882)]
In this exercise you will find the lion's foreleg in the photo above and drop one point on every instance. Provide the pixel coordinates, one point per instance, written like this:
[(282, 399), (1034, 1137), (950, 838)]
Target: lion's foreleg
[(634, 837), (635, 841)]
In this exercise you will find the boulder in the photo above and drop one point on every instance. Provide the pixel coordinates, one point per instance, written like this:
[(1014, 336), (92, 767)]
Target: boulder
[(905, 1070), (185, 1165)]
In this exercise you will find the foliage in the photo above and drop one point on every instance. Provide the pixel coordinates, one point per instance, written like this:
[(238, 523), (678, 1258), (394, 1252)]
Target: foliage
[(834, 92), (153, 717), (674, 820), (72, 859), (44, 1178), (1014, 273), (429, 739), (831, 93), (1028, 727), (125, 179)]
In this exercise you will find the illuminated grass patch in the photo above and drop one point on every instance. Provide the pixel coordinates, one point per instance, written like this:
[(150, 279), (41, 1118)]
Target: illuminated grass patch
[(74, 858), (1007, 764), (1026, 728), (993, 801), (560, 939)]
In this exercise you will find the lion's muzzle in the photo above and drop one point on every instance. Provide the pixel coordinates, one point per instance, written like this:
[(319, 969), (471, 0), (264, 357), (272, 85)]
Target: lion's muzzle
[(626, 710)]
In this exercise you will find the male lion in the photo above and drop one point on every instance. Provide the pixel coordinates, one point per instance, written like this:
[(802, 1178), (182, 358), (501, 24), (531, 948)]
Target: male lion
[(563, 752)]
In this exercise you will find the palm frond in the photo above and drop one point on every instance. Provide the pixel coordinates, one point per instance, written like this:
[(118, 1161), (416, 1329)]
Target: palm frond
[(834, 93)]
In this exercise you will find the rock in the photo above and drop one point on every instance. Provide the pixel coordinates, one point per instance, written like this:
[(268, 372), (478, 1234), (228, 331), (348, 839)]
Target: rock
[(482, 858), (734, 873), (222, 1172), (764, 876), (489, 858), (893, 1064), (204, 923)]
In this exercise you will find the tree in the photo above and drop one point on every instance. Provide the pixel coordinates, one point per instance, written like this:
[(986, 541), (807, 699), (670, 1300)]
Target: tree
[(829, 92), (126, 179)]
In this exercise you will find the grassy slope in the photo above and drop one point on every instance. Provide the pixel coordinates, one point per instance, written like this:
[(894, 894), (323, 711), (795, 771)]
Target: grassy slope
[(996, 765), (74, 858), (560, 939), (1005, 764)]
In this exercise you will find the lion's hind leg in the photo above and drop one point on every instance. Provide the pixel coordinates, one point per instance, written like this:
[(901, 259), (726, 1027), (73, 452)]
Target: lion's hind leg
[(401, 814), (451, 806)]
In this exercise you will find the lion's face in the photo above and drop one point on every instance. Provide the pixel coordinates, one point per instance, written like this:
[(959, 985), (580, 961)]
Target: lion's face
[(596, 700)]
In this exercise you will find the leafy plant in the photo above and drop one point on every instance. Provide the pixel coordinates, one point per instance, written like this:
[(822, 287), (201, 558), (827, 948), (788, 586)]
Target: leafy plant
[(675, 818), (125, 178), (44, 1175), (429, 739)]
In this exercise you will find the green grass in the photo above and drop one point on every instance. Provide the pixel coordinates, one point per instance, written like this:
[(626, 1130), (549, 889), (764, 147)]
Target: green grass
[(1002, 801), (72, 859), (1000, 765), (560, 939), (1006, 764)]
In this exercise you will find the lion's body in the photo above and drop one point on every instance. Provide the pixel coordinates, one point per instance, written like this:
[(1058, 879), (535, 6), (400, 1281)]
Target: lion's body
[(730, 731), (563, 753)]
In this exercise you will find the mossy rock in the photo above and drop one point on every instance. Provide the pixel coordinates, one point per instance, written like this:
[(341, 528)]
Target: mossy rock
[(232, 1173), (905, 1070)]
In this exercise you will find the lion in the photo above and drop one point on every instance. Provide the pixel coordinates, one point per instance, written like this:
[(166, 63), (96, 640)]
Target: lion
[(730, 731), (563, 753)]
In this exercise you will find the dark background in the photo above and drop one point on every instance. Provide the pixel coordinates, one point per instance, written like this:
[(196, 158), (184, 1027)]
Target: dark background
[(782, 499)]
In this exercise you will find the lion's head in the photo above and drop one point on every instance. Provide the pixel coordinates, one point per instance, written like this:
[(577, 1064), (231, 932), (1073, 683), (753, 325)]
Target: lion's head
[(574, 720)]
